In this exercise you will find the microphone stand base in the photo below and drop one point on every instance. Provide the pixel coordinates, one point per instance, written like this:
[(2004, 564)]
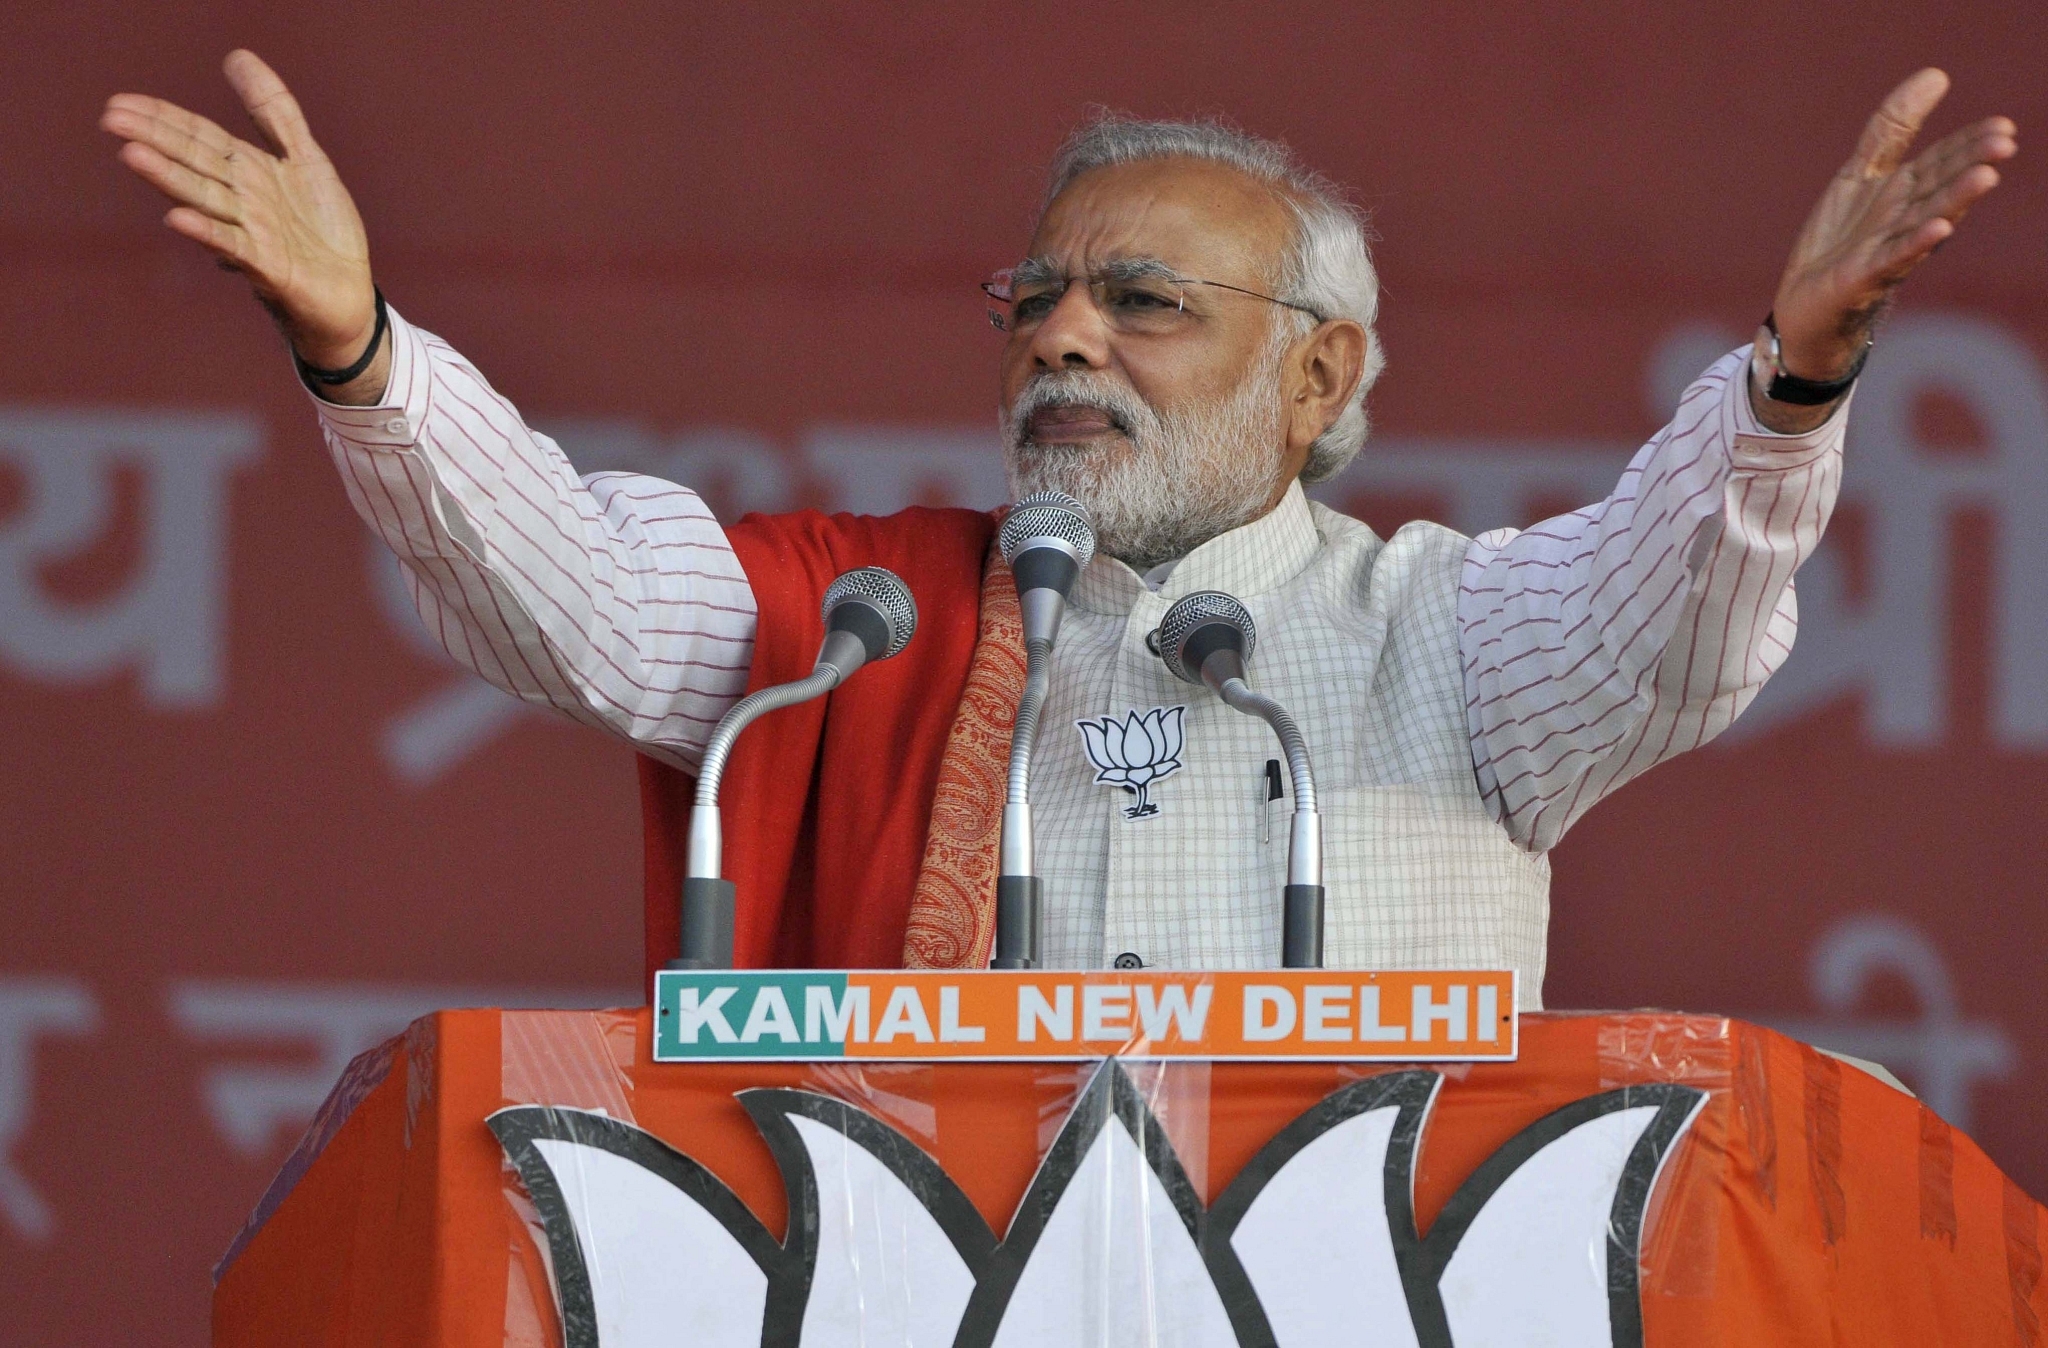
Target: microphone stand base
[(708, 907), (1301, 927), (1017, 922)]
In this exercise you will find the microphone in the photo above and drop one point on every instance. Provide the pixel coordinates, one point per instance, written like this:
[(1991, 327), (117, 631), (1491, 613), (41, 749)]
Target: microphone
[(869, 615), (1047, 540), (1207, 638)]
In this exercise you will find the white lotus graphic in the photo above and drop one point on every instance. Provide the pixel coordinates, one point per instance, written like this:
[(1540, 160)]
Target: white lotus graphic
[(1135, 752), (1313, 1245)]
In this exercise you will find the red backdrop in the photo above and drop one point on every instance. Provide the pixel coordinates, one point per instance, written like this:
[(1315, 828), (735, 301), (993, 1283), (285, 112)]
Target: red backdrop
[(251, 823)]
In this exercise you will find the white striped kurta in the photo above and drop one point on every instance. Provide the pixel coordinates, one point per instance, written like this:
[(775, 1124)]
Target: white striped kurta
[(1466, 700)]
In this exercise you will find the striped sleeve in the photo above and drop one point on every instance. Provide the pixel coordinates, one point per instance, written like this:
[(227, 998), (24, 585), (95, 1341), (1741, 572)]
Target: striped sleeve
[(1600, 643), (613, 598)]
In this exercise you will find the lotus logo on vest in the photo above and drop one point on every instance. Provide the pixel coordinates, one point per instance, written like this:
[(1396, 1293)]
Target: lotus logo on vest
[(1314, 1242), (1133, 753)]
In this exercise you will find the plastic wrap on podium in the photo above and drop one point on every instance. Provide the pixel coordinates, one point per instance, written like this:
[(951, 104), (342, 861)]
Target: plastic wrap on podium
[(531, 1178)]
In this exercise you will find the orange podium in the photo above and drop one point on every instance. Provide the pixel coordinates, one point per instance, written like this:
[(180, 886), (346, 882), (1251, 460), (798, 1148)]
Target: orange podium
[(501, 1178)]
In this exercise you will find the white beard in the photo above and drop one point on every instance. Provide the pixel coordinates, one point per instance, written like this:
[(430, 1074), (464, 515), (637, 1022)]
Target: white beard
[(1178, 479)]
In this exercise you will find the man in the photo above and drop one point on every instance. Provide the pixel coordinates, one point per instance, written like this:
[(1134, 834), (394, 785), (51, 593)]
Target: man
[(1190, 339)]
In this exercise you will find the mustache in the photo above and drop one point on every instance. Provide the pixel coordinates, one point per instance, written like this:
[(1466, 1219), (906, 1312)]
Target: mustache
[(1073, 388)]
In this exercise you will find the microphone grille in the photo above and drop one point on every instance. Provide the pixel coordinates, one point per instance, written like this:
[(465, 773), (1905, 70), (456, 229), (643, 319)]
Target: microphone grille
[(884, 591), (1048, 514), (1193, 612)]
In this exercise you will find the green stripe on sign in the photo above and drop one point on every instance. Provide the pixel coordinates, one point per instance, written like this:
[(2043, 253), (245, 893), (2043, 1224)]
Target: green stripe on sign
[(730, 1014)]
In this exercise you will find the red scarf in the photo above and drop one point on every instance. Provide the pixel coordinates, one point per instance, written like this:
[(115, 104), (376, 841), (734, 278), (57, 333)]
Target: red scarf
[(860, 828)]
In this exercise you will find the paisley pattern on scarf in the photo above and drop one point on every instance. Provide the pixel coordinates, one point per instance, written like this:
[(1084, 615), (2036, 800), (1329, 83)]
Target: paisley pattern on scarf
[(953, 913)]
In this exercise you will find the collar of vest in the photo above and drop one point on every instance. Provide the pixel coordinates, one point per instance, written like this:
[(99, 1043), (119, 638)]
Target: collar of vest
[(1251, 559)]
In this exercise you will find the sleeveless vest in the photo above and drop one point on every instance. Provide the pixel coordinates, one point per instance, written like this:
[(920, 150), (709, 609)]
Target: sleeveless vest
[(862, 828)]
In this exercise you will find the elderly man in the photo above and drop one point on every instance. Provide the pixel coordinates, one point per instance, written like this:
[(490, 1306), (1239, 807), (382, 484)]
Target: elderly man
[(1190, 339)]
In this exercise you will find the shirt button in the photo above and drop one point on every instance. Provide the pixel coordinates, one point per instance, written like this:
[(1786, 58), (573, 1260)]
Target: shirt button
[(397, 426), (1127, 961)]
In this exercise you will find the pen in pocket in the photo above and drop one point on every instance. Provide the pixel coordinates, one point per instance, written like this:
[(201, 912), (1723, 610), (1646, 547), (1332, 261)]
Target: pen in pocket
[(1273, 790)]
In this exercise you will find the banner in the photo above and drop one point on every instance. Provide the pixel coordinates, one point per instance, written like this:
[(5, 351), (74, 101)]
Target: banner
[(1345, 1016), (254, 821)]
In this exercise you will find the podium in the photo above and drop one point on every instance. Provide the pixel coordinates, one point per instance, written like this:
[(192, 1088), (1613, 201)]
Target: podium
[(497, 1178)]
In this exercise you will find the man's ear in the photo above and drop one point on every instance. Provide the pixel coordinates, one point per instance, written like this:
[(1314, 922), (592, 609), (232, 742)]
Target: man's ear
[(1328, 364)]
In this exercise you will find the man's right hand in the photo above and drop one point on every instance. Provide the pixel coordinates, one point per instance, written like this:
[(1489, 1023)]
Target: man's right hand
[(280, 216)]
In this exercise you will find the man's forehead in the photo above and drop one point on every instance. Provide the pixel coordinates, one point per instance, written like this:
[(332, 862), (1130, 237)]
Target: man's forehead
[(1182, 212)]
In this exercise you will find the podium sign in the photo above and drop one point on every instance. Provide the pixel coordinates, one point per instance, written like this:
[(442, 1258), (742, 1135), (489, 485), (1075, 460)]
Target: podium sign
[(1000, 1016), (528, 1179)]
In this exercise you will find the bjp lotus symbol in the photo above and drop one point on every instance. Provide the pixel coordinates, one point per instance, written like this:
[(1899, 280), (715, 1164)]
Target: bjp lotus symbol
[(1135, 752), (1314, 1244)]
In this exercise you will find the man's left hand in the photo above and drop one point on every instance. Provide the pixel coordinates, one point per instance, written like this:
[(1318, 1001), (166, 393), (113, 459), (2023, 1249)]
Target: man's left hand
[(1879, 219)]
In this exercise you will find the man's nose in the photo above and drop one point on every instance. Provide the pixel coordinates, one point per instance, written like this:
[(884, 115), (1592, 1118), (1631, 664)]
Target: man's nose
[(1073, 335)]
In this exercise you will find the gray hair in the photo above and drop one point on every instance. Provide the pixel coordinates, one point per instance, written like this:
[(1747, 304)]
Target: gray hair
[(1327, 269)]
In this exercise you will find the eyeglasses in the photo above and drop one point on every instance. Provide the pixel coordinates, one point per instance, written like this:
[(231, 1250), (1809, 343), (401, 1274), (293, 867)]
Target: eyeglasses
[(1145, 300)]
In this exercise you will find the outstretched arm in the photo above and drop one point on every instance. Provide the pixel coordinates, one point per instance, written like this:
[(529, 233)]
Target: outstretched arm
[(1603, 642), (615, 599), (1600, 643)]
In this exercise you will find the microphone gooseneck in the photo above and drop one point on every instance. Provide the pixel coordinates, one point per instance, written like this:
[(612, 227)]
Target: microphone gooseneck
[(1047, 540), (869, 615), (1207, 638)]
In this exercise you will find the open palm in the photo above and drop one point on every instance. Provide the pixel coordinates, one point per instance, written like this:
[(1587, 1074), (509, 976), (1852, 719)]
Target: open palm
[(277, 213), (1880, 217)]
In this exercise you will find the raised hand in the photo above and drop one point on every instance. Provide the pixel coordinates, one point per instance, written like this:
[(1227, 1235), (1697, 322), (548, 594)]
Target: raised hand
[(1879, 219), (278, 214)]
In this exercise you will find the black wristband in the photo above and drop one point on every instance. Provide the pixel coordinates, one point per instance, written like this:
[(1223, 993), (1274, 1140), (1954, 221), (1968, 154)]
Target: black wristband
[(1786, 387), (314, 374)]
